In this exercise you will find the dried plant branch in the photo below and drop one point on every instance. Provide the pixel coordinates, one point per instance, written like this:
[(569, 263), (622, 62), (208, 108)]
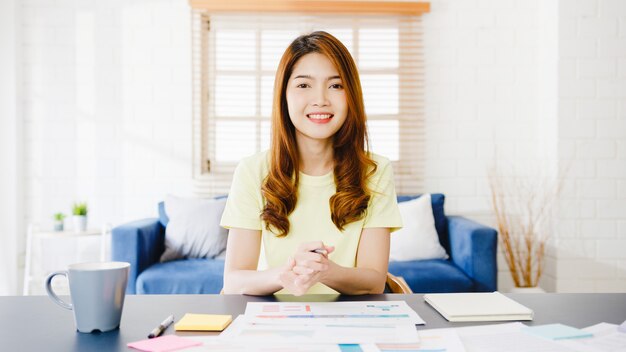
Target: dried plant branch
[(523, 209)]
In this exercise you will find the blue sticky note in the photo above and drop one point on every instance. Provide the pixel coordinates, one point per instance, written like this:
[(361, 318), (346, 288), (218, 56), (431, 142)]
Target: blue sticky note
[(350, 348), (557, 332)]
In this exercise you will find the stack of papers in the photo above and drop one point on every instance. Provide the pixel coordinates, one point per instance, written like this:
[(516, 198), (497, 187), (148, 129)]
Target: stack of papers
[(434, 340), (326, 322), (478, 306), (510, 337), (384, 326)]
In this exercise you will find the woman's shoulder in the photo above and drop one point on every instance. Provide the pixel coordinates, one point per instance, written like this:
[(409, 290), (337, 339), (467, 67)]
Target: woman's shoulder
[(256, 159), (382, 163), (384, 170), (256, 164), (380, 160)]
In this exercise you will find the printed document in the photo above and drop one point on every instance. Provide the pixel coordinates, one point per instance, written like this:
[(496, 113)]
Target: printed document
[(368, 312), (245, 329)]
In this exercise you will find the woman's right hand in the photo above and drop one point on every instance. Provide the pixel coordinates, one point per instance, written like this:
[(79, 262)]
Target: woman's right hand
[(306, 267), (308, 261), (289, 278)]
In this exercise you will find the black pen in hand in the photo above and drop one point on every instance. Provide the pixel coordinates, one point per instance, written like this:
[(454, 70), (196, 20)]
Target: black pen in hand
[(321, 251), (159, 329)]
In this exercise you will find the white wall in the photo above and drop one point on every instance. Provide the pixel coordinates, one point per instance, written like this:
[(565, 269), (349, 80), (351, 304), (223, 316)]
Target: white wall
[(107, 107), (107, 112), (10, 146), (592, 138), (491, 93), (541, 82)]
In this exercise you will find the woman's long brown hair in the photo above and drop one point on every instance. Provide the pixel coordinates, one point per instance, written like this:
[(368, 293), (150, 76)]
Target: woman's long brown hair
[(352, 163)]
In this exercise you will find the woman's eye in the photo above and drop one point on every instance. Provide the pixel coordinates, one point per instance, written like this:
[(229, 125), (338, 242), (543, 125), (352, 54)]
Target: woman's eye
[(336, 86), (302, 85)]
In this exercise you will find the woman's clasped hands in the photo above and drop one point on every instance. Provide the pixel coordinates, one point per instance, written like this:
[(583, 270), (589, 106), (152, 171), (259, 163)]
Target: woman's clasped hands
[(306, 267)]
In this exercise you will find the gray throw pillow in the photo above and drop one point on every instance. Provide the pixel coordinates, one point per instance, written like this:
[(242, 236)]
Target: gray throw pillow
[(194, 229)]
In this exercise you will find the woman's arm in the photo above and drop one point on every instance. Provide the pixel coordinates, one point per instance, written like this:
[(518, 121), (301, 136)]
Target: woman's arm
[(372, 260), (240, 274), (242, 257), (368, 277)]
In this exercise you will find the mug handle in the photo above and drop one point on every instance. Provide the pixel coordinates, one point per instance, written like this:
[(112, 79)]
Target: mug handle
[(53, 296)]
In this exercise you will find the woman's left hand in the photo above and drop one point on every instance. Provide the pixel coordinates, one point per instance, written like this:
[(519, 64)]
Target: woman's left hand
[(288, 277), (311, 266)]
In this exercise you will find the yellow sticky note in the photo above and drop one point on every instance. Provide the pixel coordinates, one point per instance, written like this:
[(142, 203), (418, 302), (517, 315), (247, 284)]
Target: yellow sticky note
[(203, 322)]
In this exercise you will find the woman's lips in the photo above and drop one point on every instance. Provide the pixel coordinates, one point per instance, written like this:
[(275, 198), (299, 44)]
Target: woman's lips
[(320, 118)]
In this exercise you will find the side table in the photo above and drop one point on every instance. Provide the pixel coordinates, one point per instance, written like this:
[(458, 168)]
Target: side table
[(48, 251)]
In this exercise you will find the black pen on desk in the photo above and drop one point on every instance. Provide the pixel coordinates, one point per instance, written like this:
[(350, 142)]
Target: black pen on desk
[(159, 329)]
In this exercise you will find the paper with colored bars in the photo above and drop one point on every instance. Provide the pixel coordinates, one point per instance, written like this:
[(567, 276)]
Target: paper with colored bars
[(329, 312), (326, 323)]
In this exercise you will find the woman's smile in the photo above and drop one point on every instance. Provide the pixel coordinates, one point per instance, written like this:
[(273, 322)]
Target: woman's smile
[(320, 118)]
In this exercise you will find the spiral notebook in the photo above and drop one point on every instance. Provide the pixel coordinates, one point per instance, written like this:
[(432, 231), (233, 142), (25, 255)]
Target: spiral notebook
[(478, 306)]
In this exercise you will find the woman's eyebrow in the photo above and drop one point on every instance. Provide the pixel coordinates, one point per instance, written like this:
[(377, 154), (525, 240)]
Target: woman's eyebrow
[(311, 77)]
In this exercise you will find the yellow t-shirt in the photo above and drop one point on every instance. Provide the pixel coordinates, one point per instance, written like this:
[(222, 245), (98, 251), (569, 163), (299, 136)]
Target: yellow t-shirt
[(311, 219)]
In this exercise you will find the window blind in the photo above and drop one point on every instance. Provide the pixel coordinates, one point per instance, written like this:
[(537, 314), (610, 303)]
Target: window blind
[(235, 59)]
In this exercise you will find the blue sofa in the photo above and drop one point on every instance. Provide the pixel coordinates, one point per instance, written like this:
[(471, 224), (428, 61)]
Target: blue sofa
[(471, 266)]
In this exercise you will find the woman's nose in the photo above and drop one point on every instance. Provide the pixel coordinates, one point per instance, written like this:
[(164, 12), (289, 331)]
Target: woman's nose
[(320, 98)]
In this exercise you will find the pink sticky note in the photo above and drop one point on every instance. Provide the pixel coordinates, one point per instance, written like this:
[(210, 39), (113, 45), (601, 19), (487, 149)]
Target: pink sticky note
[(164, 343)]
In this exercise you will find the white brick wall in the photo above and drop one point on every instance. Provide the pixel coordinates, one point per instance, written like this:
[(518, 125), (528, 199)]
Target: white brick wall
[(107, 113), (488, 65), (107, 92), (11, 151), (591, 133)]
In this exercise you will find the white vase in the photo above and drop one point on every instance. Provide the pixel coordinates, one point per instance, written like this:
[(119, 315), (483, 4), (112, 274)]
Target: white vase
[(58, 225), (534, 289), (80, 223)]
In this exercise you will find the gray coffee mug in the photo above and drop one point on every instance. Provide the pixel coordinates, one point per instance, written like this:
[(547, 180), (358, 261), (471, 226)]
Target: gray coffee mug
[(97, 291)]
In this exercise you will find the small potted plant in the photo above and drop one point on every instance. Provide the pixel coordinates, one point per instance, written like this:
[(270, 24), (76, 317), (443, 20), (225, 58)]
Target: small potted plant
[(58, 221), (79, 212)]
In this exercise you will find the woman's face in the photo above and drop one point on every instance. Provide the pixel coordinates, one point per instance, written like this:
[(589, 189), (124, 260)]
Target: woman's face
[(316, 99)]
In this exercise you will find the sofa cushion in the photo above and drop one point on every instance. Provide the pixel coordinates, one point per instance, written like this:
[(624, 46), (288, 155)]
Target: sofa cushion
[(194, 230), (435, 275), (417, 239), (441, 222), (164, 219), (188, 276)]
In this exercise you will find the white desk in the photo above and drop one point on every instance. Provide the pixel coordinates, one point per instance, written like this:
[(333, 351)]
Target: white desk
[(48, 251)]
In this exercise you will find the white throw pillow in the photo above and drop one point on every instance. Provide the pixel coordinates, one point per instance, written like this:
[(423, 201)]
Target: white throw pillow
[(193, 230), (417, 239)]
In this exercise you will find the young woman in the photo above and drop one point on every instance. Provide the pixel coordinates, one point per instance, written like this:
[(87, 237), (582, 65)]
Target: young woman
[(314, 213)]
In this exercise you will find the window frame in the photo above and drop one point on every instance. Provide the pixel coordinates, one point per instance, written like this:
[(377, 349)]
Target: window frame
[(210, 174)]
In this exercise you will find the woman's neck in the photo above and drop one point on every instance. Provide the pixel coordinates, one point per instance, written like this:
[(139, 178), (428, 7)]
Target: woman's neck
[(316, 159)]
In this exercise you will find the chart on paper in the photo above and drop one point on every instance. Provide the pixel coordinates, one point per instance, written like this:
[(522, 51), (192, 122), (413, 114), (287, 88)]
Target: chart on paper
[(324, 312)]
